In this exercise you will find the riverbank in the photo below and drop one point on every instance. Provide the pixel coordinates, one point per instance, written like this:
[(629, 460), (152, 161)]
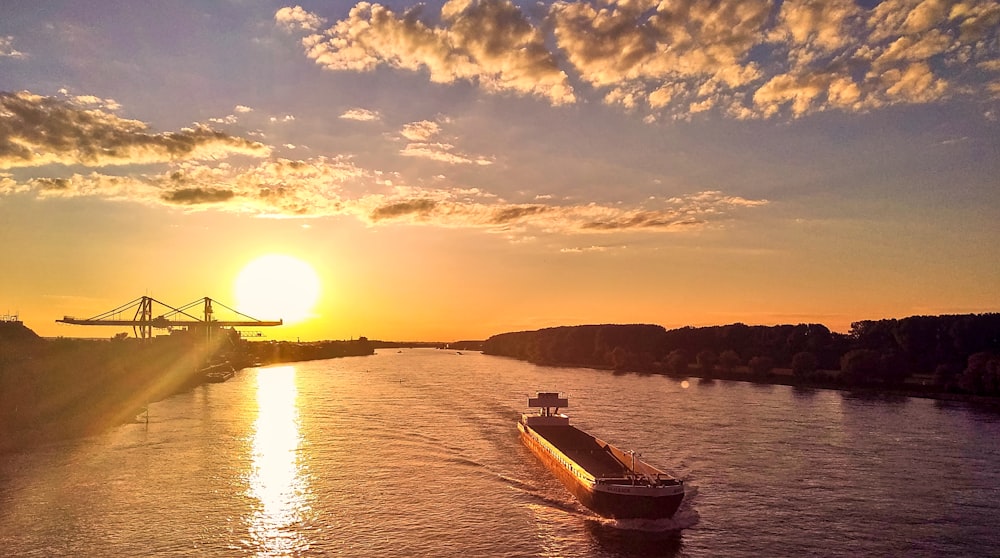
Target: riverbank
[(785, 377), (942, 357), (65, 388)]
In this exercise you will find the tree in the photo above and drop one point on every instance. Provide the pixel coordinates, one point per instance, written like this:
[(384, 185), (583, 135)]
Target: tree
[(677, 362), (804, 364), (945, 376), (892, 368), (761, 365), (860, 366), (982, 374), (619, 358), (728, 360), (706, 362)]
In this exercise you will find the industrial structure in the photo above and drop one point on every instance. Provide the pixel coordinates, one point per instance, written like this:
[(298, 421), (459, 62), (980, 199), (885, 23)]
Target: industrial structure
[(195, 316)]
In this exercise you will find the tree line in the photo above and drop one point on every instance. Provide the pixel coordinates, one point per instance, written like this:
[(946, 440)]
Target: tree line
[(955, 353)]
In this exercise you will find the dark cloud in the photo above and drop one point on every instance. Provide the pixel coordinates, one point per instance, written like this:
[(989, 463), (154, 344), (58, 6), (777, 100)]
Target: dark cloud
[(52, 184), (644, 220), (419, 207), (197, 196), (514, 213), (37, 130)]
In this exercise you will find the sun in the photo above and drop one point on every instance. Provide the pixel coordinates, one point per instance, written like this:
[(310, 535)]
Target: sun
[(277, 286)]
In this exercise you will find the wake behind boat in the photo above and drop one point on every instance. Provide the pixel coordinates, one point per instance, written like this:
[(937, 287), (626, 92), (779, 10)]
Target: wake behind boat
[(611, 482)]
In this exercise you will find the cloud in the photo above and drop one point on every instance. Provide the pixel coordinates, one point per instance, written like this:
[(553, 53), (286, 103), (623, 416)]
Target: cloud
[(90, 101), (361, 115), (915, 83), (336, 187), (686, 213), (581, 250), (198, 196), (295, 18), (735, 58), (421, 135), (37, 130), (488, 42), (7, 49), (420, 131), (640, 43), (419, 208), (232, 118), (442, 152), (10, 186)]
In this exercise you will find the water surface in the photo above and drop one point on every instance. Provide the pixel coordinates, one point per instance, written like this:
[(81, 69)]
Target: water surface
[(415, 453)]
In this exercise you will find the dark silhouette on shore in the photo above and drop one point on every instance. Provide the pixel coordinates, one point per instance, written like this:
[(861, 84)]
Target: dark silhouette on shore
[(52, 388), (921, 355)]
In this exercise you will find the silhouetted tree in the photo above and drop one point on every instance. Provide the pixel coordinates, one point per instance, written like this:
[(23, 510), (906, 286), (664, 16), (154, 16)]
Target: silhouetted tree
[(982, 374), (804, 364), (761, 365), (677, 362), (619, 358), (706, 362), (897, 347), (859, 366), (728, 360), (893, 368), (946, 376)]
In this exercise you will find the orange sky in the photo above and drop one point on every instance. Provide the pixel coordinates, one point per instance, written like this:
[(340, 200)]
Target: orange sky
[(732, 168)]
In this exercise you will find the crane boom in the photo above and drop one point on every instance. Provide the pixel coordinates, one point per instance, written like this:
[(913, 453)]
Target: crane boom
[(163, 324), (143, 321)]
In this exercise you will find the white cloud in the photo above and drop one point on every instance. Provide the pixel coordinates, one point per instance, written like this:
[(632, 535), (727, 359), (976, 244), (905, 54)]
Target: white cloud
[(423, 136), (361, 115), (420, 131), (7, 49), (295, 18), (488, 42), (738, 58)]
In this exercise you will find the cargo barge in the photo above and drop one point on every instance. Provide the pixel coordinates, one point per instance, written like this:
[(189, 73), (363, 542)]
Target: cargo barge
[(611, 482)]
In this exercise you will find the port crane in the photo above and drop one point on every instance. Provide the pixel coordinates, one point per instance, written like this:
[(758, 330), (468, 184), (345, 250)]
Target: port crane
[(143, 322)]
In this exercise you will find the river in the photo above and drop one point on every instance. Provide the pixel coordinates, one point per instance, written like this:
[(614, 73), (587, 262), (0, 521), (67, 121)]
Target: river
[(415, 453)]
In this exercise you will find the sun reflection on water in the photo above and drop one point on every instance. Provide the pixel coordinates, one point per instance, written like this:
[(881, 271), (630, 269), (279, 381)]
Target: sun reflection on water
[(278, 480)]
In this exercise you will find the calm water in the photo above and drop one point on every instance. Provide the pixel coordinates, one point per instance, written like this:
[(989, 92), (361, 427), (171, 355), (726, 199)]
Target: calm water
[(416, 454)]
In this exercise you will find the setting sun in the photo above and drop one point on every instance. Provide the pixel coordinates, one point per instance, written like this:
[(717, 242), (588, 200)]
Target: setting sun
[(277, 286)]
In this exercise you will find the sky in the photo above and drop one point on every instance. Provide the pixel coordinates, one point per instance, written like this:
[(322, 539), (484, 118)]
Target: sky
[(454, 170)]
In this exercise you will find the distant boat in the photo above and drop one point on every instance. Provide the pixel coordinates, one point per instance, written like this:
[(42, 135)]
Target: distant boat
[(611, 482), (217, 373)]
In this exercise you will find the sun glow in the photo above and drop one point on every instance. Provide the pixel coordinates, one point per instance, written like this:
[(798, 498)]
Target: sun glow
[(277, 286)]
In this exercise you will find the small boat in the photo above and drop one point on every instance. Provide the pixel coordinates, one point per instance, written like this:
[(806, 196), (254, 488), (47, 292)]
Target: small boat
[(613, 483), (217, 373)]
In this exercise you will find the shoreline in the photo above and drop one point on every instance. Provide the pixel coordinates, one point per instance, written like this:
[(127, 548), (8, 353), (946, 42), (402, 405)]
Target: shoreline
[(875, 391), (94, 419)]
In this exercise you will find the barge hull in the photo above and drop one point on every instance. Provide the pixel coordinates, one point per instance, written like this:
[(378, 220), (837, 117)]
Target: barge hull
[(604, 503)]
